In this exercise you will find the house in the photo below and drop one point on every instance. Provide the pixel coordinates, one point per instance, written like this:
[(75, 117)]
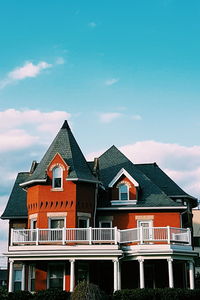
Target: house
[(109, 221), (196, 239)]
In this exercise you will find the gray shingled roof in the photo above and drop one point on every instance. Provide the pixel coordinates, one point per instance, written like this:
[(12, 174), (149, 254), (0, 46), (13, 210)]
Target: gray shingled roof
[(66, 145), (150, 195), (16, 206), (161, 179)]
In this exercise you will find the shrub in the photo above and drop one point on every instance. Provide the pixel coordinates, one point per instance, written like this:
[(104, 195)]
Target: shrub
[(51, 294), (87, 291), (3, 293), (157, 294), (20, 295)]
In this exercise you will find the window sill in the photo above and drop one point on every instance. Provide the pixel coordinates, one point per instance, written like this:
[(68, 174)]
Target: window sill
[(124, 202), (57, 189)]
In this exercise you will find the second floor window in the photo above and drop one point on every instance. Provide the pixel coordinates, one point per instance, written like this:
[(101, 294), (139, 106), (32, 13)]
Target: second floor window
[(57, 178), (123, 192)]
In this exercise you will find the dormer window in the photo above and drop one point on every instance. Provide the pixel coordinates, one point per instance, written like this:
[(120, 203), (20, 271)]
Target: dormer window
[(57, 178), (123, 192)]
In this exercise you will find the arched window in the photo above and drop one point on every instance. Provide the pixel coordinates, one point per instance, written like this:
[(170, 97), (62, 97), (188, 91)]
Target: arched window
[(57, 178), (123, 192)]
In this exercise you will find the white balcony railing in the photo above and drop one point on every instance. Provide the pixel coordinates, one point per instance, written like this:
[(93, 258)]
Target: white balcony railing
[(140, 235)]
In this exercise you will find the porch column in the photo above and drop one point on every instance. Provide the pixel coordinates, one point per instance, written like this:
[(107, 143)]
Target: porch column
[(170, 272), (119, 275), (115, 265), (191, 274), (23, 277), (10, 285), (141, 269), (72, 274)]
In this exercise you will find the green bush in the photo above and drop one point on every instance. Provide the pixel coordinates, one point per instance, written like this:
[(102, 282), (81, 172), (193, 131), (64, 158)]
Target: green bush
[(88, 291), (51, 294), (20, 295), (3, 293), (157, 294)]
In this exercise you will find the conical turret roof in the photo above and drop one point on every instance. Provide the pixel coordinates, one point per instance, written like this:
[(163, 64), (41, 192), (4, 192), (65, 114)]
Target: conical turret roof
[(66, 145)]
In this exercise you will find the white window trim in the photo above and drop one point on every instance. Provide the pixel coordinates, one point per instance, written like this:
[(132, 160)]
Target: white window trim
[(31, 223), (56, 218), (48, 278), (61, 187), (85, 219), (126, 174), (105, 221), (150, 221)]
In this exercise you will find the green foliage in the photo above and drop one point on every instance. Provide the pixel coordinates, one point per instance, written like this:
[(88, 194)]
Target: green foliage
[(20, 295), (87, 291), (3, 293), (51, 294), (157, 294)]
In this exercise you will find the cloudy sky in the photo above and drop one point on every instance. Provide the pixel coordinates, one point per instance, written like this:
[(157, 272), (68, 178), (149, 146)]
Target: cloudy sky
[(122, 72)]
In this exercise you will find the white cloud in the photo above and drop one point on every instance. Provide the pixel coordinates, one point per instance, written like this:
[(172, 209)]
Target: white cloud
[(14, 124), (111, 81), (136, 117), (92, 24), (109, 117), (28, 70)]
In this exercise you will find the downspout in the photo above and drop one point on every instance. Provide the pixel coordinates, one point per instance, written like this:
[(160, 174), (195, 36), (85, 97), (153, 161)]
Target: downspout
[(95, 204)]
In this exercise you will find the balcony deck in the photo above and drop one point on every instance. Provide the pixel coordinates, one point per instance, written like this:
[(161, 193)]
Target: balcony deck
[(101, 236)]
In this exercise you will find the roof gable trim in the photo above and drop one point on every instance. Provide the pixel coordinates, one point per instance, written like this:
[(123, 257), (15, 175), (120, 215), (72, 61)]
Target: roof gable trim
[(126, 174)]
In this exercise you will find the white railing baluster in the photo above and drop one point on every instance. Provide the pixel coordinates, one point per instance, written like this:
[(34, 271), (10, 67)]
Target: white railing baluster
[(101, 235)]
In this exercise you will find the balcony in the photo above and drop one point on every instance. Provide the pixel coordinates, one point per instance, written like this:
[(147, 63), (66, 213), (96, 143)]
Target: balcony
[(95, 236)]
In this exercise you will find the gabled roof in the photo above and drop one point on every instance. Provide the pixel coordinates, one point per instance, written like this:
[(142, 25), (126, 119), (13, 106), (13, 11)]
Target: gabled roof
[(162, 180), (126, 174), (66, 145), (16, 206), (150, 195)]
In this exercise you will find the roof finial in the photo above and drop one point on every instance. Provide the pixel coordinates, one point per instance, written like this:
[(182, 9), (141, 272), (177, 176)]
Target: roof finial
[(65, 125)]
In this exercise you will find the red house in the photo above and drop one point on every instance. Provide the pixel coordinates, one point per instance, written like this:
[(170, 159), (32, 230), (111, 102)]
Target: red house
[(109, 221)]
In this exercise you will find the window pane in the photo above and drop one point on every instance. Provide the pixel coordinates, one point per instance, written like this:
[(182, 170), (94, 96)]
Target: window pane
[(123, 192), (57, 182), (57, 172), (105, 225), (56, 276), (57, 223), (17, 275), (83, 223)]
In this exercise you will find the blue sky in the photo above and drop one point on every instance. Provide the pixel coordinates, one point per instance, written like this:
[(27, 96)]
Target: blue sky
[(122, 72)]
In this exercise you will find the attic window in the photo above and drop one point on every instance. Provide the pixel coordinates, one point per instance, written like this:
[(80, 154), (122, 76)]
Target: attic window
[(57, 178), (123, 192)]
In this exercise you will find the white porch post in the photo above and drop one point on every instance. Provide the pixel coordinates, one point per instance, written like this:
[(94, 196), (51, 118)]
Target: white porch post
[(170, 272), (115, 283), (72, 274), (119, 275), (23, 277), (10, 286), (141, 269), (191, 274)]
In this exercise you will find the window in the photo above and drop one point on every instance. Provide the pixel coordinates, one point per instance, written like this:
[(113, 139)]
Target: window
[(32, 278), (57, 178), (123, 192), (83, 222), (56, 273), (17, 280), (105, 224), (57, 223)]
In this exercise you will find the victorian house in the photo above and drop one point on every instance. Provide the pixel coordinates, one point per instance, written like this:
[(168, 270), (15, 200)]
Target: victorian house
[(108, 221)]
